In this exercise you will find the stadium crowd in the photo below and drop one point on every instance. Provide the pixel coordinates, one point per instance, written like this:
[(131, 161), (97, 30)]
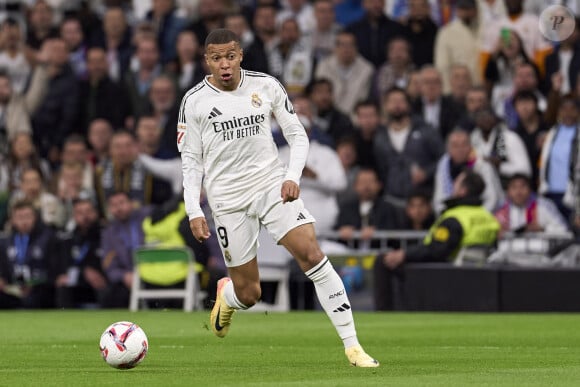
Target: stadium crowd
[(399, 98)]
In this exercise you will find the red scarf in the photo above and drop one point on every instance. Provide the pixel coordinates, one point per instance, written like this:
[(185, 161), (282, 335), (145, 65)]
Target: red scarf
[(503, 214)]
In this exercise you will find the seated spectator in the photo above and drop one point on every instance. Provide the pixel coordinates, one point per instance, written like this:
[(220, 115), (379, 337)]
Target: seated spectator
[(347, 153), (557, 158), (323, 35), (264, 26), (366, 213), (33, 189), (28, 261), (421, 30), (326, 116), (413, 88), (23, 155), (165, 16), (13, 56), (81, 279), (464, 223), (301, 10), (149, 138), (350, 74), (211, 16), (322, 178), (164, 106), (304, 107), (437, 110), (40, 24), (406, 152), (475, 99), (99, 95), (368, 124), (187, 68), (460, 156), (17, 108), (120, 238), (523, 211), (418, 214), (397, 70), (69, 188), (99, 137), (531, 128), (495, 143), (565, 60), (74, 150), (460, 82), (124, 172), (71, 32)]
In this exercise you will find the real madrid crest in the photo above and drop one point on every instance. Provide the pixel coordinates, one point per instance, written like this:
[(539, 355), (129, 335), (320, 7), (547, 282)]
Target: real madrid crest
[(228, 256), (256, 101)]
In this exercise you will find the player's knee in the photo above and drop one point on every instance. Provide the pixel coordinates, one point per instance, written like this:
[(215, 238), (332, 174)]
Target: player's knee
[(311, 255), (250, 295)]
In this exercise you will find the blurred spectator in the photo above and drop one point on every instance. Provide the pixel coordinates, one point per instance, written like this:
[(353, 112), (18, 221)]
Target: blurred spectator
[(13, 56), (572, 198), (458, 43), (99, 137), (115, 39), (81, 279), (138, 82), (322, 178), (557, 159), (74, 150), (123, 172), (304, 107), (23, 155), (348, 11), (406, 152), (326, 116), (366, 212), (476, 98), (368, 124), (99, 95), (373, 31), (72, 33), (40, 25), (421, 31), (164, 108), (525, 25), (264, 24), (255, 56), (237, 23), (69, 188), (537, 6), (16, 108), (531, 129), (460, 156), (464, 223), (211, 16), (290, 59), (56, 116), (28, 261), (565, 60), (503, 148), (299, 10), (349, 72), (437, 110), (413, 88), (524, 211), (397, 70), (491, 10), (149, 138), (33, 189), (187, 68), (119, 239), (322, 37), (418, 214), (347, 153), (460, 82), (168, 24)]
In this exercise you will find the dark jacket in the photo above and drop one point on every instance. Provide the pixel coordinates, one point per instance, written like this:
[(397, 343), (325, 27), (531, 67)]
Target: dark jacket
[(372, 39), (57, 114), (124, 50), (423, 148), (449, 114), (552, 62), (421, 34), (338, 125), (168, 30), (255, 57), (41, 263), (106, 100), (382, 216)]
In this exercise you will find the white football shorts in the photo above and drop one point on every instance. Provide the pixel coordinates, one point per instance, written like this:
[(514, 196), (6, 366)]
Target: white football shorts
[(238, 232)]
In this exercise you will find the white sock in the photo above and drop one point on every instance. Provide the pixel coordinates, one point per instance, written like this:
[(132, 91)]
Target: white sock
[(230, 297), (332, 296)]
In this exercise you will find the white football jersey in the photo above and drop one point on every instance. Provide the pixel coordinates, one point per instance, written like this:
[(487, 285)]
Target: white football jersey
[(226, 137)]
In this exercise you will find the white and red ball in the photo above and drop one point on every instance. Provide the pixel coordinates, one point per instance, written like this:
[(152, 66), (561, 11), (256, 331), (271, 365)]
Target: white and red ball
[(123, 345)]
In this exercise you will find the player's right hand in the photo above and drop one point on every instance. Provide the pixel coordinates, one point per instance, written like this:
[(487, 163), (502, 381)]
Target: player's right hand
[(199, 228)]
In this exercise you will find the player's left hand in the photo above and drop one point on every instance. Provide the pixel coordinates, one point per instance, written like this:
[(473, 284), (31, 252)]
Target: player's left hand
[(290, 191)]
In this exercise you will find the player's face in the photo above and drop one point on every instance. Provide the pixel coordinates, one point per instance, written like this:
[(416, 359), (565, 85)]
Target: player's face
[(223, 61)]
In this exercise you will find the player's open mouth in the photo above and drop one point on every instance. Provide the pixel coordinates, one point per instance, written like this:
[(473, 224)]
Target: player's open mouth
[(226, 77)]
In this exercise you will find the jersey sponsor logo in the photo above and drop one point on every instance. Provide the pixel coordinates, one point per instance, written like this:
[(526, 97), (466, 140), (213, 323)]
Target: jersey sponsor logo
[(256, 101), (239, 127), (214, 113)]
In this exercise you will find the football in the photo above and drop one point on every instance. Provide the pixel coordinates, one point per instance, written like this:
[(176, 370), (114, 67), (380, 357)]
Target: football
[(123, 345)]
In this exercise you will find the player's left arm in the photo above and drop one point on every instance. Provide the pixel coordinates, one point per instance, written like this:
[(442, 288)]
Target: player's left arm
[(297, 139)]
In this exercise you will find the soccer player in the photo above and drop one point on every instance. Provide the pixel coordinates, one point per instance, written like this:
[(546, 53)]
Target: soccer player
[(224, 136)]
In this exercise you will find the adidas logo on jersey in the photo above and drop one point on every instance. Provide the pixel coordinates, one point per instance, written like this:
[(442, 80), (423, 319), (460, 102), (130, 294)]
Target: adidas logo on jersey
[(301, 216), (214, 113)]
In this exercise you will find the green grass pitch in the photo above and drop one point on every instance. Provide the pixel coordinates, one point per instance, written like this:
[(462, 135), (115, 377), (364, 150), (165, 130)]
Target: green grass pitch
[(60, 348)]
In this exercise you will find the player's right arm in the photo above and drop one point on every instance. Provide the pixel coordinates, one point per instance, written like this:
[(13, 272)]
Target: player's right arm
[(190, 145)]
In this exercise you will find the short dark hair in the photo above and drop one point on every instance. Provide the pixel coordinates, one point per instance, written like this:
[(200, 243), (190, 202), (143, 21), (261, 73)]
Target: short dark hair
[(525, 95), (396, 89), (317, 82), (124, 132), (74, 138), (221, 36), (569, 99), (366, 103), (419, 193), (520, 176), (473, 183), (10, 21), (22, 204), (119, 193)]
